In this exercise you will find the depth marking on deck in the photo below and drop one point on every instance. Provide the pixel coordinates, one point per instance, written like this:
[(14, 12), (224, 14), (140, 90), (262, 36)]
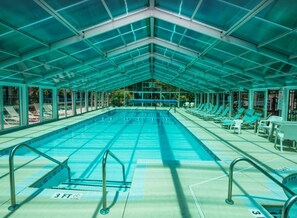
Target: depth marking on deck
[(67, 196)]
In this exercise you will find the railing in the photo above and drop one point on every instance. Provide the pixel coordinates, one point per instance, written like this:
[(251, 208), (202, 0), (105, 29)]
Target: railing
[(287, 206), (105, 209), (229, 199), (14, 205)]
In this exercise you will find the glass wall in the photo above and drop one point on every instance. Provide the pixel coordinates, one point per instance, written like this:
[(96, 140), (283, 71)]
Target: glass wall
[(78, 103), (272, 103), (33, 103), (292, 110), (62, 105), (244, 100), (11, 106), (259, 105), (47, 104)]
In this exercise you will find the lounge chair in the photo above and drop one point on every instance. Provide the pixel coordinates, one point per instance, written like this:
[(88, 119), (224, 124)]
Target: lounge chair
[(227, 123), (250, 122), (203, 110), (214, 114), (12, 117), (199, 107), (266, 125), (212, 109), (247, 116), (222, 116)]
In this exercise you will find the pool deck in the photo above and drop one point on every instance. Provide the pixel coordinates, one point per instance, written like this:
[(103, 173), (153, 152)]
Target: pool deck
[(178, 189)]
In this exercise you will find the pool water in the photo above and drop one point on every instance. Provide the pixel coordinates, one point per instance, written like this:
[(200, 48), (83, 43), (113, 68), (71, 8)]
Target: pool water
[(131, 135)]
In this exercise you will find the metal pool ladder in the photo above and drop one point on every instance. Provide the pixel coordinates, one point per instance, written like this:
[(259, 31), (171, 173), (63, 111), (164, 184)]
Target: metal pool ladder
[(288, 204), (14, 205), (105, 209)]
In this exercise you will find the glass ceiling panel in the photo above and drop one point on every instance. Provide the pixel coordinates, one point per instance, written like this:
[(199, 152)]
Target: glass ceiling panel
[(286, 45), (199, 37), (23, 66), (111, 44), (281, 12), (230, 48), (140, 51), (194, 45), (220, 56), (65, 62), (84, 15), (183, 7), (53, 32), (262, 31), (136, 4), (87, 55), (48, 57), (222, 14), (19, 13), (117, 7), (16, 42), (182, 58), (76, 48), (257, 58), (3, 30), (105, 36)]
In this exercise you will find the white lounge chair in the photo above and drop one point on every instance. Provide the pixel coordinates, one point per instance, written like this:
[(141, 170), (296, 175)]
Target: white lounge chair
[(13, 118)]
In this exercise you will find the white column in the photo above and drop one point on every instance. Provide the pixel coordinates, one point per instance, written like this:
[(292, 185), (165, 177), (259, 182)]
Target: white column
[(96, 100), (73, 101), (102, 99), (86, 100)]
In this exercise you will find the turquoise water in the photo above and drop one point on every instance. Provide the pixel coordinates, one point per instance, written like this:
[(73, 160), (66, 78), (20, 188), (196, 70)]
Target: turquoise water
[(131, 135)]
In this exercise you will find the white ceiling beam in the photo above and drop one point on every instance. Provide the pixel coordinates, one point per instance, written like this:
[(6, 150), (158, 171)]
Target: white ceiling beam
[(218, 34), (87, 33)]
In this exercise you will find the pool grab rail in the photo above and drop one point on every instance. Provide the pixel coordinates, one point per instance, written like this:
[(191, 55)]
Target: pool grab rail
[(14, 205), (287, 206), (104, 209), (231, 168)]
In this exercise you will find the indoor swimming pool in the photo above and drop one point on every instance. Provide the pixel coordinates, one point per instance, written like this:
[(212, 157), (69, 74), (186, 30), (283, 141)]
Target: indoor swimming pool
[(131, 135)]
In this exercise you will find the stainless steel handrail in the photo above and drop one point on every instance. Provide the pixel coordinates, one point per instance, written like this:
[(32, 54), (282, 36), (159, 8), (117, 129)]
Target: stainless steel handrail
[(14, 205), (229, 199), (287, 206), (105, 210)]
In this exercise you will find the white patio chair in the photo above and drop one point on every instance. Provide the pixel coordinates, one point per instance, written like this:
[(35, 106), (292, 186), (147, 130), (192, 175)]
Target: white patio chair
[(236, 125), (266, 125), (286, 132)]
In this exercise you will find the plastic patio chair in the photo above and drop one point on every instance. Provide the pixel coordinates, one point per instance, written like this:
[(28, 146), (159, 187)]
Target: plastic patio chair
[(236, 125), (286, 132), (266, 125)]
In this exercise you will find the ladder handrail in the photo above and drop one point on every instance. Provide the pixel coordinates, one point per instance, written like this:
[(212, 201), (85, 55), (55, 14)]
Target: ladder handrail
[(229, 199), (13, 205), (287, 206), (105, 210)]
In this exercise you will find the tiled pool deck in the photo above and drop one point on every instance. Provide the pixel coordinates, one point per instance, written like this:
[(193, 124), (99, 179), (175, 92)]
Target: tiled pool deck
[(186, 189)]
